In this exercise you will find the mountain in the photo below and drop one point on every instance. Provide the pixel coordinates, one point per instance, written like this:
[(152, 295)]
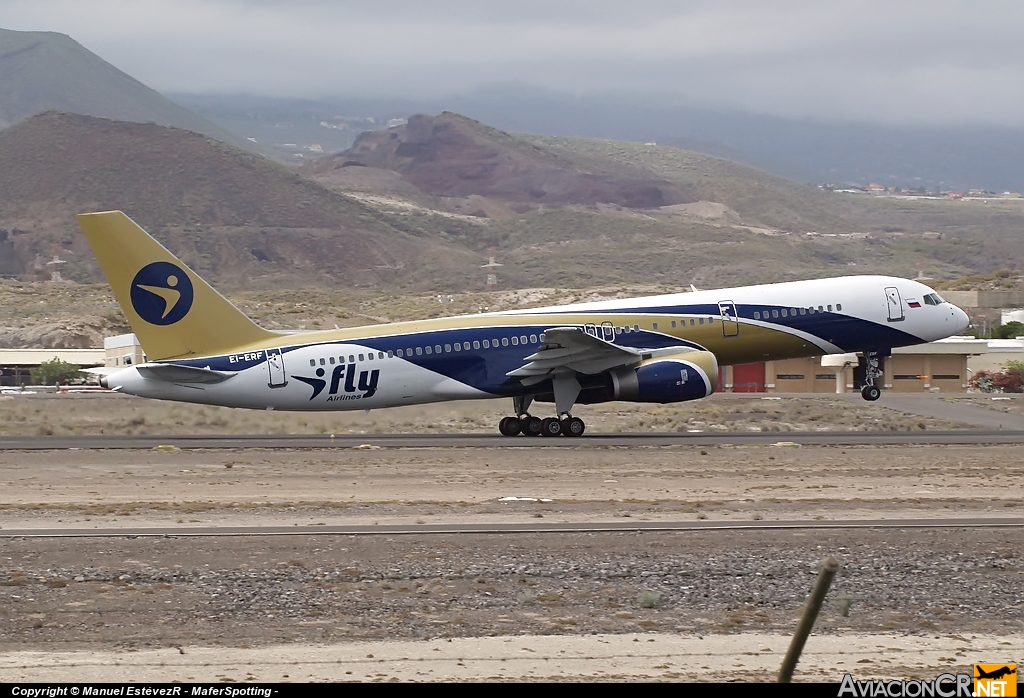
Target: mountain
[(45, 70), (952, 157), (556, 212), (577, 212), (449, 155), (233, 215)]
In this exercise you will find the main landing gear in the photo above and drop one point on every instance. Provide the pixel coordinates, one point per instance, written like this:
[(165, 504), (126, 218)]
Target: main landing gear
[(529, 425), (872, 372)]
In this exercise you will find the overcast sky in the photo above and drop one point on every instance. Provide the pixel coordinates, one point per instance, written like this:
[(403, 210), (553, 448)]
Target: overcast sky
[(898, 61)]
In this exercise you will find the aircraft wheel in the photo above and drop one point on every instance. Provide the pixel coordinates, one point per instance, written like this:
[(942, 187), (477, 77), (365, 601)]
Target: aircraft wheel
[(550, 427), (573, 426), (531, 426), (871, 393), (510, 426)]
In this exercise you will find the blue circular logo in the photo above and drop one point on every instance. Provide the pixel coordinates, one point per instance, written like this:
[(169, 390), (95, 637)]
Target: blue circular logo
[(161, 293)]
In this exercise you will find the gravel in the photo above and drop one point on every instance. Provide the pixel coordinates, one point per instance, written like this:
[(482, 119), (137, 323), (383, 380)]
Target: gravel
[(248, 590)]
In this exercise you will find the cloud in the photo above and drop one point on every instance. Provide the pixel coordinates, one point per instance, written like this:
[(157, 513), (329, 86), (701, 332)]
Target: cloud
[(908, 62)]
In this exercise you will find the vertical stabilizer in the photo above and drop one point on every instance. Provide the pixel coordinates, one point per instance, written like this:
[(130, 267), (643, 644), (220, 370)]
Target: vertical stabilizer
[(172, 311)]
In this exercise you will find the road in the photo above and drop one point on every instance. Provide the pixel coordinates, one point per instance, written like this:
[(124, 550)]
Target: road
[(296, 441), (507, 528)]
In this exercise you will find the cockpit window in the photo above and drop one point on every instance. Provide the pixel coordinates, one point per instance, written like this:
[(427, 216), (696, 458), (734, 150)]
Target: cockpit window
[(933, 299)]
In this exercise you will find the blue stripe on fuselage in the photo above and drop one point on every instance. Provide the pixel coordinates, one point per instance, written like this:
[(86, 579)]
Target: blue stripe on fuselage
[(486, 369), (849, 333)]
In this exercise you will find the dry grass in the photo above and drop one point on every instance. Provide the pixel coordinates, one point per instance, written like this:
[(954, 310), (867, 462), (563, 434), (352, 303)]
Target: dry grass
[(122, 414)]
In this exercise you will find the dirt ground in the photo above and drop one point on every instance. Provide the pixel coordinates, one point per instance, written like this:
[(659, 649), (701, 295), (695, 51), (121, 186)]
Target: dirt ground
[(706, 604), (95, 488), (701, 605)]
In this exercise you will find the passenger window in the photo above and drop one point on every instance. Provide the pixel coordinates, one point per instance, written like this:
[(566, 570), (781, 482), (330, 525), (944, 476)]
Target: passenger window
[(636, 328), (351, 358), (476, 345), (702, 321), (391, 353), (312, 362), (618, 330), (711, 321), (839, 306), (437, 348), (408, 352), (322, 362), (784, 313), (447, 348), (419, 351), (458, 346), (775, 313), (803, 311), (821, 309), (692, 323), (428, 348), (370, 356), (360, 357), (541, 337), (522, 339), (655, 325), (515, 341), (673, 324), (504, 341), (757, 315), (380, 355), (331, 360), (830, 309), (533, 339), (401, 354)]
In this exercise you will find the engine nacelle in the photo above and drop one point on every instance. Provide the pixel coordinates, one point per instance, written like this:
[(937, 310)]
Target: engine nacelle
[(691, 375)]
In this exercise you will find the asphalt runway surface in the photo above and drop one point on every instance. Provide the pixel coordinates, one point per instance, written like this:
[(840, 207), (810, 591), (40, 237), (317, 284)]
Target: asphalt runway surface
[(508, 528), (296, 441)]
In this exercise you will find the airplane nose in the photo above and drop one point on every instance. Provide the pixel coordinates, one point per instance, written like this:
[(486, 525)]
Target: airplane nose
[(962, 321)]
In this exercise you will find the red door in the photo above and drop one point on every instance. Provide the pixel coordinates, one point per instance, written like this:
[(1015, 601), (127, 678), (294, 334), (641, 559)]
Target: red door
[(748, 378)]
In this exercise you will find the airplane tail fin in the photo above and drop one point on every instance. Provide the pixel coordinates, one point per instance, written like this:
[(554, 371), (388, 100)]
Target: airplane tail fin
[(172, 311)]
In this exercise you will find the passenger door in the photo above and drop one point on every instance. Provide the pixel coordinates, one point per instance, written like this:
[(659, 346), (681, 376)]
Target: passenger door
[(275, 364), (730, 325), (895, 303)]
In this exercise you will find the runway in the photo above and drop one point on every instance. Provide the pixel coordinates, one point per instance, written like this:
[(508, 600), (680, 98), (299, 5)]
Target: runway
[(318, 441), (508, 528)]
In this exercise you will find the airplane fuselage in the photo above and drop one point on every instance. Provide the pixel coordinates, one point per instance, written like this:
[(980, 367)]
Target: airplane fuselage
[(471, 356)]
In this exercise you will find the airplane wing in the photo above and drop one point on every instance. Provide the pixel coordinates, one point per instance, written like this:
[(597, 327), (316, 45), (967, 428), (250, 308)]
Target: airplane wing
[(183, 374), (570, 349)]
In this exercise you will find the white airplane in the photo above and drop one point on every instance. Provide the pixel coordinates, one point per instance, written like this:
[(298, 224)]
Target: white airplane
[(667, 348)]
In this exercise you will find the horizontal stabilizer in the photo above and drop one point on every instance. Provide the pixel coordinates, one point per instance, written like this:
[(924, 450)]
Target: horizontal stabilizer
[(182, 374)]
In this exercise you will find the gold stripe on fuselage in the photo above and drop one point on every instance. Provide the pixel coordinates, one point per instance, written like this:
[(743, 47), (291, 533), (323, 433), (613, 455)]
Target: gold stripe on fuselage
[(751, 343)]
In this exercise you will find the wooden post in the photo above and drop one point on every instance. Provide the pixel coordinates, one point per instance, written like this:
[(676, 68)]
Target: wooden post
[(829, 567)]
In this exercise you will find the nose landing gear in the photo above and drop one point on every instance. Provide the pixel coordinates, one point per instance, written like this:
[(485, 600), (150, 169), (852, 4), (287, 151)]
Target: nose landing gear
[(872, 372)]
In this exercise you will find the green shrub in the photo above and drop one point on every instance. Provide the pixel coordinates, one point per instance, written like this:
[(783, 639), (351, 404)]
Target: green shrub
[(55, 372)]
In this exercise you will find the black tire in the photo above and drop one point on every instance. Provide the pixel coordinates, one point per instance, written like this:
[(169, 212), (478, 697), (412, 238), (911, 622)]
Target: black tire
[(531, 426), (550, 427), (871, 393), (573, 426), (510, 426)]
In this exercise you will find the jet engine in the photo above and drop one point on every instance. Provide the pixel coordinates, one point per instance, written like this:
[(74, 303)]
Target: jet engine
[(679, 377)]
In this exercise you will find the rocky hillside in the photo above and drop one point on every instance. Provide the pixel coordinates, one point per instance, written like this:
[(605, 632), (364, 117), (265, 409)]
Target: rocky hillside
[(449, 155), (234, 215)]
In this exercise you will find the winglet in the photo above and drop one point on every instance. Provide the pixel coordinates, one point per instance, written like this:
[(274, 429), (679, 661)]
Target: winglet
[(172, 311)]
